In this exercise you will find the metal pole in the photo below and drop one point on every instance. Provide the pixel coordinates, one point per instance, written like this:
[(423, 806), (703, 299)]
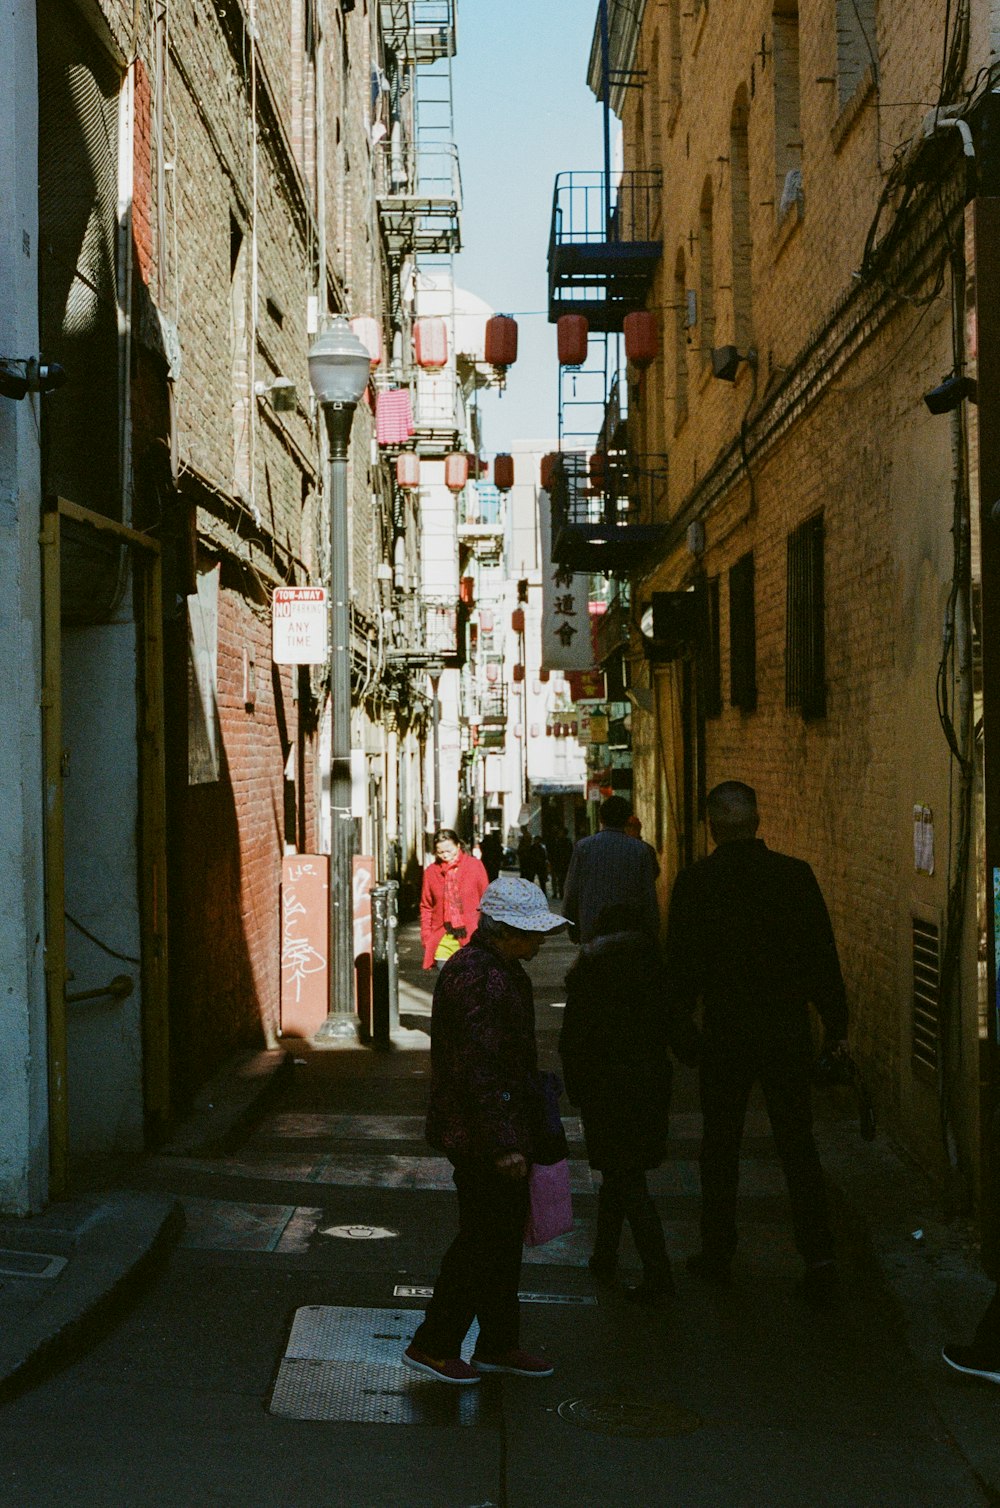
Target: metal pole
[(606, 101), (436, 727), (341, 1022)]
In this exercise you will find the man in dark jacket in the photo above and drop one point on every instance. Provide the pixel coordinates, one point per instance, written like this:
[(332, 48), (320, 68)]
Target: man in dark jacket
[(610, 868), (749, 936)]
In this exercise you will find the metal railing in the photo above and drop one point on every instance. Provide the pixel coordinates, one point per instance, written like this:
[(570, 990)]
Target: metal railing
[(588, 211), (630, 493)]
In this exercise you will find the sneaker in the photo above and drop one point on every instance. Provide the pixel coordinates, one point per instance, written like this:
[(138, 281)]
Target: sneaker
[(972, 1362), (715, 1270), (447, 1369), (819, 1284), (515, 1364)]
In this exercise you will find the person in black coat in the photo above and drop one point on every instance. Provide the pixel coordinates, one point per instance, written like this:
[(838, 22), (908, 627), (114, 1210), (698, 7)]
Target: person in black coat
[(617, 1068), (749, 938)]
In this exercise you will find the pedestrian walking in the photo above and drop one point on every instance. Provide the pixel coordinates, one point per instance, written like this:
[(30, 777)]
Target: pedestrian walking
[(491, 853), (617, 1068), (749, 936), (982, 1357), (634, 829), (560, 853), (610, 867), (485, 1114), (525, 855), (449, 898), (540, 864)]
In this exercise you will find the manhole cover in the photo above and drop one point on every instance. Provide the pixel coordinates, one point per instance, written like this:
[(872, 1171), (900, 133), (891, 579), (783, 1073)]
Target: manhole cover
[(608, 1415), (359, 1232)]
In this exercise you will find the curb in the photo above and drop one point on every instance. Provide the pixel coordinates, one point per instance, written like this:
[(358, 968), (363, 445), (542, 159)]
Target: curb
[(228, 1104)]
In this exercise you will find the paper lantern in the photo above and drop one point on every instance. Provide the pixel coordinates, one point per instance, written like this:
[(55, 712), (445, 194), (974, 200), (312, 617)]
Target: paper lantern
[(543, 675), (456, 470), (369, 332), (486, 620), (517, 620), (501, 341), (547, 470), (407, 470), (597, 468), (642, 338), (571, 339), (518, 674), (534, 730), (430, 343), (492, 674), (503, 472)]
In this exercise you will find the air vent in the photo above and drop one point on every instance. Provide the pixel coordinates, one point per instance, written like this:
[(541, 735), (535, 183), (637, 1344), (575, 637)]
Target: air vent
[(926, 995)]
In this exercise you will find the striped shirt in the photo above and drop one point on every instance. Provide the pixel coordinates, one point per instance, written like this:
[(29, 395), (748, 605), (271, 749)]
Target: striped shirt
[(607, 868)]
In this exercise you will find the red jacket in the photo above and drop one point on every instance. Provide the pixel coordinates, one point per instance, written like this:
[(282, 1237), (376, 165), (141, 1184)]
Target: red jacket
[(472, 881)]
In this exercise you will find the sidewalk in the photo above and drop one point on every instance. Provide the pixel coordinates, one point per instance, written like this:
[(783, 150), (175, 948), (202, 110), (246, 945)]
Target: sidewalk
[(902, 1290)]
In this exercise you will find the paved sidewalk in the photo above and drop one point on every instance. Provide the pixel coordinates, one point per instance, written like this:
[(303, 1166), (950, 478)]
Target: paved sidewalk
[(860, 1396)]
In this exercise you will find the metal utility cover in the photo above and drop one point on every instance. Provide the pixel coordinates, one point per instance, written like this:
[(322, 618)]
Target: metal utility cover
[(631, 1418), (345, 1366), (30, 1264)]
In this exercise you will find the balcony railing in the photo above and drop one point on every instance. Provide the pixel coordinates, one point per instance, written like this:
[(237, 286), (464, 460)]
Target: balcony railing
[(611, 526), (420, 198), (604, 245), (420, 31)]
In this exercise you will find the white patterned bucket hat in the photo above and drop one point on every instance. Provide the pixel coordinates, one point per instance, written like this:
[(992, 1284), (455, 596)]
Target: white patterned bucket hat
[(520, 904)]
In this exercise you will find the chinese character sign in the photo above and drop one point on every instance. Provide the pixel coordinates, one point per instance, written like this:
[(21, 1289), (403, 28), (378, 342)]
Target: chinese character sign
[(565, 613)]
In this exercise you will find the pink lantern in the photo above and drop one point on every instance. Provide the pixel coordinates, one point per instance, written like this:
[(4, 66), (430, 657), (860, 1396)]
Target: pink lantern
[(493, 674), (407, 470), (369, 333), (456, 470), (518, 731), (486, 620), (430, 343), (534, 730)]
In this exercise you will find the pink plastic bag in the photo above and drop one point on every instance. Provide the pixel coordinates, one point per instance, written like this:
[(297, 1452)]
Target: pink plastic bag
[(550, 1210)]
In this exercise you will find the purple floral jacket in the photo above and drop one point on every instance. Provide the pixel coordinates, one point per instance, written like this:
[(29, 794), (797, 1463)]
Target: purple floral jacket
[(484, 1061)]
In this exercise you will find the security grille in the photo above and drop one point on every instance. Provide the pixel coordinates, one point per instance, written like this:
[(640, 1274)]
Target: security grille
[(805, 649), (926, 995), (742, 635)]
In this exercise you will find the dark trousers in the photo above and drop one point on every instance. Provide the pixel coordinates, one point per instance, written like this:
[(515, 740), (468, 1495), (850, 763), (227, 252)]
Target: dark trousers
[(481, 1269), (987, 1337), (727, 1076), (624, 1196)]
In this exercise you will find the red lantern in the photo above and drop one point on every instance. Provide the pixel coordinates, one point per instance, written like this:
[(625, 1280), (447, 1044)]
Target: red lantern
[(456, 470), (501, 341), (571, 339), (517, 620), (369, 333), (548, 730), (407, 470), (543, 675), (430, 343), (642, 338), (518, 674), (548, 468), (503, 472), (597, 469)]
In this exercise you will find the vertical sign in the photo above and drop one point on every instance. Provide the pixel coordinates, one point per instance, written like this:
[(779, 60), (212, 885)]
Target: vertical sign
[(566, 641), (299, 620), (305, 933), (364, 878)]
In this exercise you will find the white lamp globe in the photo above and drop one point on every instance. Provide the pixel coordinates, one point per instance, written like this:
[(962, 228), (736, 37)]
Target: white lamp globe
[(339, 365)]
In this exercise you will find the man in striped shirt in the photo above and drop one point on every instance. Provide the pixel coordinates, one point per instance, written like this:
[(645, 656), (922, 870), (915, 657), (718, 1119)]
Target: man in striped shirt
[(607, 868)]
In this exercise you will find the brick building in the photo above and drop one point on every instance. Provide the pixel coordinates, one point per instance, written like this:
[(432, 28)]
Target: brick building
[(796, 177)]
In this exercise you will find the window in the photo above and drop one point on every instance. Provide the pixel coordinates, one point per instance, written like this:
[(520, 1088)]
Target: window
[(855, 45), (805, 653), (742, 244), (706, 273), (787, 126), (711, 664), (680, 342), (742, 635)]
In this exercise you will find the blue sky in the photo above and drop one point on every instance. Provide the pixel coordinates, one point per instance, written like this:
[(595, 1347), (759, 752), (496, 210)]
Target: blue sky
[(523, 113)]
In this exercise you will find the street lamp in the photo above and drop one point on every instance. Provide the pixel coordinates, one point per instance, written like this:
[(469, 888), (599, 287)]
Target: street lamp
[(339, 369)]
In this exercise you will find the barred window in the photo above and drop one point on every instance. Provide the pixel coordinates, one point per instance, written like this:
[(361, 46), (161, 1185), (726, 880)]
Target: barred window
[(805, 649), (742, 635)]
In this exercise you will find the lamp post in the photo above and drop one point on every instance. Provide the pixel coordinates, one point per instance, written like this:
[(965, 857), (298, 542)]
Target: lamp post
[(339, 369)]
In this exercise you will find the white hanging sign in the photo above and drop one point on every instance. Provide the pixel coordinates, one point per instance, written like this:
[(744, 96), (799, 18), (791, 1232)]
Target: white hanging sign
[(299, 619), (566, 643)]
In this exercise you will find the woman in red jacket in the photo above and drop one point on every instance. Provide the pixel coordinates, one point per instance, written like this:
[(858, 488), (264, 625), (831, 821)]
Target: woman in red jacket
[(449, 900)]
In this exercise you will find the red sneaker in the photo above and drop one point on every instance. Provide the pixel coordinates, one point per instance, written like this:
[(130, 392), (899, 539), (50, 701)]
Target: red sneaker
[(448, 1369), (515, 1364)]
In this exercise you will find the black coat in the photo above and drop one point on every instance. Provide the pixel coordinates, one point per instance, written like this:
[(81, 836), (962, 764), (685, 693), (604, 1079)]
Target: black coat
[(614, 1048)]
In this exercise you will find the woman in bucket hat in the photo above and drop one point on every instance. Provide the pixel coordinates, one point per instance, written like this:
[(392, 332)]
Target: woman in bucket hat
[(483, 1114)]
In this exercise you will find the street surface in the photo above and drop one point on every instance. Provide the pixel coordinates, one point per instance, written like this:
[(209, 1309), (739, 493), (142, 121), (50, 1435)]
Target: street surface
[(734, 1400)]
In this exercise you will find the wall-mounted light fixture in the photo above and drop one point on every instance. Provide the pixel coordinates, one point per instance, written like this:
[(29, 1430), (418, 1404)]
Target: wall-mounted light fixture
[(18, 377), (949, 393), (726, 361), (282, 392)]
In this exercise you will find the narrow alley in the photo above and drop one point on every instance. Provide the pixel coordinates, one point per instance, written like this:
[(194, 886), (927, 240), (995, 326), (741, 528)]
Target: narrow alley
[(332, 1205)]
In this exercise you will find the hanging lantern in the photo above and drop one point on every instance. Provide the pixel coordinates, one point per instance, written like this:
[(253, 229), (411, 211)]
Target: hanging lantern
[(492, 673), (543, 675), (548, 730), (501, 341), (518, 731), (548, 468), (642, 338), (430, 343), (486, 620), (534, 730), (574, 729), (518, 674), (407, 470), (517, 620), (571, 339), (369, 332), (597, 468), (503, 472), (456, 470)]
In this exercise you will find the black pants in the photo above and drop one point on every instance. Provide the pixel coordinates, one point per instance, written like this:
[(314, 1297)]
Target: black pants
[(481, 1269), (727, 1076), (623, 1195), (987, 1337)]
